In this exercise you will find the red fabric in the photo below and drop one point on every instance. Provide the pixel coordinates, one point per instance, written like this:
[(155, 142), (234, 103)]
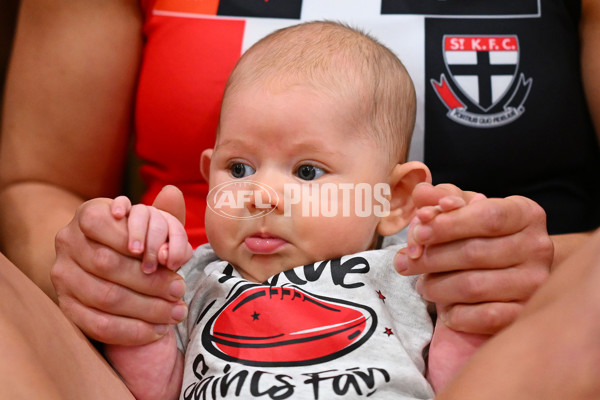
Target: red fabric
[(183, 74)]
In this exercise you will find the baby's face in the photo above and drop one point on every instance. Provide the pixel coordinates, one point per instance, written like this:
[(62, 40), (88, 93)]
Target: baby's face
[(283, 178)]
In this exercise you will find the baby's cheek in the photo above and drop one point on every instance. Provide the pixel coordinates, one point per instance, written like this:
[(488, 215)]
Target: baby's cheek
[(345, 235), (219, 233)]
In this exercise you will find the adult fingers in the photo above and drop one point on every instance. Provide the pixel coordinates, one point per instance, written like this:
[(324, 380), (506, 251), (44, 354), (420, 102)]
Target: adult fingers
[(484, 218), (80, 292), (121, 301), (95, 221), (475, 253), (170, 199), (76, 252), (112, 329), (484, 318), (120, 207), (179, 249), (114, 299), (478, 286), (487, 253)]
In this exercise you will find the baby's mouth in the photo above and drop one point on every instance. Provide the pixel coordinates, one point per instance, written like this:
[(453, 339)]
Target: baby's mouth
[(264, 243)]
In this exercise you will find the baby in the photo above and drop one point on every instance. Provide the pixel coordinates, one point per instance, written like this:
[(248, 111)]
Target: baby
[(296, 296)]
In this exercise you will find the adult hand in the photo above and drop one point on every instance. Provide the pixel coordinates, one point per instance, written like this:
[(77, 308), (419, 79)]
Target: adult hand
[(480, 262), (100, 283)]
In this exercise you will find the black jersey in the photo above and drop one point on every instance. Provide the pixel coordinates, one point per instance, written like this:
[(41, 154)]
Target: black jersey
[(505, 111)]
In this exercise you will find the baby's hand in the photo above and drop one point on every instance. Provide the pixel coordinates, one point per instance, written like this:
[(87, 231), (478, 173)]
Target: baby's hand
[(155, 234), (426, 214), (449, 350)]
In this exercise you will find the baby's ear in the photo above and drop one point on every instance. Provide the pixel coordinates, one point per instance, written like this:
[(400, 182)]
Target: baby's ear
[(403, 179), (205, 163)]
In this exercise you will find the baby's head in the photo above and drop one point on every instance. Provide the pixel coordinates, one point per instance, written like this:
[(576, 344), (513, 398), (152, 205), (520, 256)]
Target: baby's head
[(369, 81), (309, 162)]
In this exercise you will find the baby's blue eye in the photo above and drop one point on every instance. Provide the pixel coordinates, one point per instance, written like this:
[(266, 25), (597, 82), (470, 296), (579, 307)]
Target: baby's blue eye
[(241, 170), (309, 172)]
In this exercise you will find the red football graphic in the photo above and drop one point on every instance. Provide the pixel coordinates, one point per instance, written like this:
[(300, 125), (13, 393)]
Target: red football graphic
[(266, 325)]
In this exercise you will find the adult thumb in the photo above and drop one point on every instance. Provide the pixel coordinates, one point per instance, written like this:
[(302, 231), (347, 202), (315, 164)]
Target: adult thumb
[(170, 199)]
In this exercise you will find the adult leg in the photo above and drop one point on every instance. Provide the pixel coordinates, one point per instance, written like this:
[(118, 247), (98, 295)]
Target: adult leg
[(42, 354), (552, 351)]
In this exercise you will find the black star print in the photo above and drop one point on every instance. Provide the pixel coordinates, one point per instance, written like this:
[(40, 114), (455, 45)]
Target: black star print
[(388, 332), (255, 316), (381, 296)]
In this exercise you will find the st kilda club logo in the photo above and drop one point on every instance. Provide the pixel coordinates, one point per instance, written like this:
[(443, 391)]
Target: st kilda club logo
[(483, 87), (262, 325)]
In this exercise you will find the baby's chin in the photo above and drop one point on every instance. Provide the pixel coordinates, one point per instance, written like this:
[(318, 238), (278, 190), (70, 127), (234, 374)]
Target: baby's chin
[(263, 267), (258, 272)]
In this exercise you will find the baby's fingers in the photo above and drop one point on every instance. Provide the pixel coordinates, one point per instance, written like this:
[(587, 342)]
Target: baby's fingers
[(427, 213), (450, 203), (179, 250), (163, 254), (156, 238), (445, 204), (137, 224)]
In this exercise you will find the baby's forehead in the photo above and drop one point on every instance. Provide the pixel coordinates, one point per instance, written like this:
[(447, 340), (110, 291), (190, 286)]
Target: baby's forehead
[(345, 99), (354, 108)]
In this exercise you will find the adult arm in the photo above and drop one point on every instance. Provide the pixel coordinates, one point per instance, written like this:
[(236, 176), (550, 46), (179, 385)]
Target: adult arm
[(589, 29), (44, 356), (552, 349), (590, 57), (67, 120)]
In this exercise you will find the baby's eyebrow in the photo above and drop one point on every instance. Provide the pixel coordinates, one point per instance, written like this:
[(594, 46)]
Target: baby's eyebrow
[(299, 146), (235, 145), (310, 147), (231, 142)]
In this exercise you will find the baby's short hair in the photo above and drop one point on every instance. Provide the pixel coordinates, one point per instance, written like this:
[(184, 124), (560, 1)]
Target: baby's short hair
[(345, 61)]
